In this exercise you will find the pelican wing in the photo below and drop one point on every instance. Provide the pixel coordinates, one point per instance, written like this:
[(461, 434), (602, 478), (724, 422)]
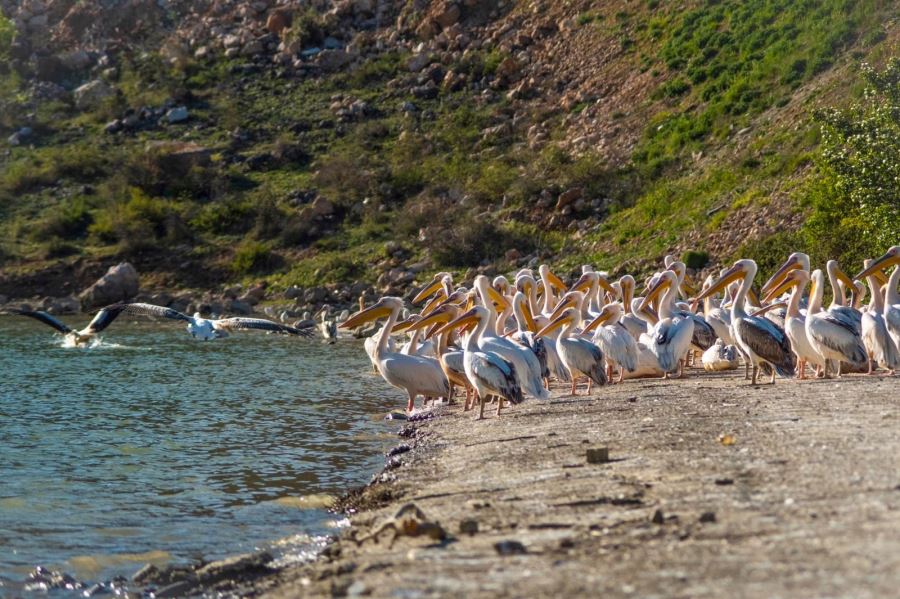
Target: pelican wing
[(259, 324), (497, 374), (767, 341), (848, 317), (838, 333), (103, 319), (892, 319), (148, 310), (46, 319), (704, 335)]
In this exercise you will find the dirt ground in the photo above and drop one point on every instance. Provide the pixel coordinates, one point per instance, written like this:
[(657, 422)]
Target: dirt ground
[(804, 502)]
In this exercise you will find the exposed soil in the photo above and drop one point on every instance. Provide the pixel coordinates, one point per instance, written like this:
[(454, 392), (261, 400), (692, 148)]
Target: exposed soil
[(804, 503)]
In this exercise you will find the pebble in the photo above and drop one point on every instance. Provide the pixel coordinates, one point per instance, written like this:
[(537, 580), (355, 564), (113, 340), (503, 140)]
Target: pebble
[(468, 527), (658, 517), (597, 455), (510, 547), (724, 481), (708, 517), (402, 448)]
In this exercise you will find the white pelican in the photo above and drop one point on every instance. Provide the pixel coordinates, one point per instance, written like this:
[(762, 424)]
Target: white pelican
[(717, 317), (101, 320), (211, 328), (878, 342), (327, 325), (762, 341), (671, 336), (524, 333), (720, 357), (486, 371), (892, 296), (833, 333), (704, 335), (413, 374), (795, 322), (839, 305), (527, 366), (442, 281), (613, 339), (526, 284), (636, 326), (451, 361), (580, 356)]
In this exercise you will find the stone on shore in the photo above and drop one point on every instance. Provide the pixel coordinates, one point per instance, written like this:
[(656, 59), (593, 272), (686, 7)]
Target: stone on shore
[(120, 283)]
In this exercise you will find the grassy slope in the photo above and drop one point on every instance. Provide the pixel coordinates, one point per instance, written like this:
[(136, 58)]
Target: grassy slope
[(734, 84)]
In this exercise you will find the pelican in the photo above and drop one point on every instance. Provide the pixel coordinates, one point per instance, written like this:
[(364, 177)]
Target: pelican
[(878, 342), (763, 342), (671, 337), (486, 371), (704, 335), (527, 366), (526, 284), (579, 355), (720, 357), (634, 324), (327, 326), (833, 333), (101, 320), (795, 322), (451, 361), (839, 306), (892, 296), (613, 339), (207, 329), (524, 333), (414, 374)]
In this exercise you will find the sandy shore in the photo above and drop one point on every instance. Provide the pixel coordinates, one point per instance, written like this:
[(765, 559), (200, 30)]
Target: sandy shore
[(804, 503)]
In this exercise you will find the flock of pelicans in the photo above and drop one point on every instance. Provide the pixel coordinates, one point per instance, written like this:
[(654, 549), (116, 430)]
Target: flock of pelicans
[(504, 341)]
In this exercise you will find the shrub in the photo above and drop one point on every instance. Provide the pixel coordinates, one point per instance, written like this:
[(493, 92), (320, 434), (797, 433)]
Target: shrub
[(695, 259), (251, 257), (70, 220)]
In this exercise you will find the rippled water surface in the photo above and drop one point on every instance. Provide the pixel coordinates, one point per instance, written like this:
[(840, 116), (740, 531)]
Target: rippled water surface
[(154, 447)]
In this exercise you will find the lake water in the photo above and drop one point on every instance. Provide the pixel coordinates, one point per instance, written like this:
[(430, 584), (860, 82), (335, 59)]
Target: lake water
[(154, 447)]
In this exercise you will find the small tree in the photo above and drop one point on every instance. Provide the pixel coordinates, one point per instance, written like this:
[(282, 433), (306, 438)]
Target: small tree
[(860, 193)]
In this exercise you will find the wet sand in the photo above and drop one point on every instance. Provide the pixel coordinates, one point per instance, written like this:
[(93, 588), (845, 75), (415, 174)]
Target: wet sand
[(804, 502)]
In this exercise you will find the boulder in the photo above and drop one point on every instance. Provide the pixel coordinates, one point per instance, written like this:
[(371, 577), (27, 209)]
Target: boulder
[(120, 283), (568, 197), (278, 21), (177, 114), (322, 207), (448, 15), (92, 93), (332, 60), (239, 307), (178, 157)]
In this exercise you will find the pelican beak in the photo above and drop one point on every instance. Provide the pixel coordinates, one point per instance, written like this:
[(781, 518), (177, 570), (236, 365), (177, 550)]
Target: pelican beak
[(556, 282), (789, 281), (790, 264), (566, 302), (890, 258), (405, 324), (529, 318), (583, 283), (765, 309), (555, 324), (469, 317), (433, 286), (688, 286), (363, 316), (434, 302), (601, 318), (497, 298), (606, 286), (441, 314), (846, 280), (732, 274), (654, 292)]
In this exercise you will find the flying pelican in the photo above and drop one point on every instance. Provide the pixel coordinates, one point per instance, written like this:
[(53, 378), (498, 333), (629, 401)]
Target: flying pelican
[(833, 333), (207, 329), (101, 320), (671, 336), (762, 341), (878, 342), (486, 371), (892, 296), (580, 356), (795, 322), (613, 339), (414, 374), (527, 366)]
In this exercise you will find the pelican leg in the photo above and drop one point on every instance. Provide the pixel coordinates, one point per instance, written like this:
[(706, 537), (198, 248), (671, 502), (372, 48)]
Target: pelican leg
[(681, 368), (481, 410), (801, 369), (870, 372), (621, 374), (772, 382), (499, 405), (573, 385), (746, 370), (412, 401), (590, 383), (755, 374), (840, 365)]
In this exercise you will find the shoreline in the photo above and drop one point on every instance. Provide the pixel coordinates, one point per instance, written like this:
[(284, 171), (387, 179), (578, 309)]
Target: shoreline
[(713, 486)]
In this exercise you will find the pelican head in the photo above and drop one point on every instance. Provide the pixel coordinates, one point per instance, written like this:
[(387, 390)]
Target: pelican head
[(501, 284), (890, 258), (660, 283), (546, 273), (740, 270), (520, 302), (794, 278), (379, 309), (571, 299), (488, 293), (565, 317), (613, 311), (794, 261), (436, 283)]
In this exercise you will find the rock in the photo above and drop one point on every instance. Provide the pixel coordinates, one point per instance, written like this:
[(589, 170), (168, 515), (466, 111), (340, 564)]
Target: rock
[(63, 305), (91, 94), (177, 114), (239, 307), (252, 48), (293, 292), (146, 574), (510, 548), (19, 136), (427, 29), (568, 197), (658, 517), (113, 126), (332, 43), (708, 517), (322, 207), (176, 589), (597, 455), (468, 526), (332, 60), (513, 255), (417, 62), (76, 60), (178, 157), (448, 15), (509, 69), (120, 283), (278, 21), (235, 567)]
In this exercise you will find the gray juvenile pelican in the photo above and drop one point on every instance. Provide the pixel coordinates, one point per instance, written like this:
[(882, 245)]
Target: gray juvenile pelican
[(101, 320), (671, 336), (763, 342)]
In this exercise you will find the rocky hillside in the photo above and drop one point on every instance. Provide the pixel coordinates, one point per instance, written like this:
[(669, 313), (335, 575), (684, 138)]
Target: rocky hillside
[(331, 148)]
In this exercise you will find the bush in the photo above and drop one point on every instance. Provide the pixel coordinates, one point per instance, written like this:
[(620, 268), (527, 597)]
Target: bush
[(252, 257), (695, 259), (70, 220)]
